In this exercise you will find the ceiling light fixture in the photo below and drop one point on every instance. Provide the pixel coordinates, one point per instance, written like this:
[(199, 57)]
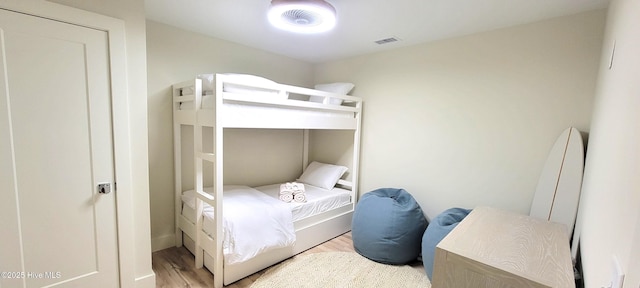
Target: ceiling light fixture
[(302, 16)]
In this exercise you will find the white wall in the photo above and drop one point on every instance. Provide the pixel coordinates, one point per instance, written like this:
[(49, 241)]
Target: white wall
[(132, 13), (175, 55), (469, 121), (334, 147), (610, 209)]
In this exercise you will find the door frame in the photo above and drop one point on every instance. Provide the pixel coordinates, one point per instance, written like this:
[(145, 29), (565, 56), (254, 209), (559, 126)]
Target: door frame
[(122, 140)]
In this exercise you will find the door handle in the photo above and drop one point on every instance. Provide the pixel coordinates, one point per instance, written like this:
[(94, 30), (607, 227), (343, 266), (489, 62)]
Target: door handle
[(104, 188)]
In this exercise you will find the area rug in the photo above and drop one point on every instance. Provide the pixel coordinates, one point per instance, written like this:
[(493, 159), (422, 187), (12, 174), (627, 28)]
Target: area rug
[(339, 269)]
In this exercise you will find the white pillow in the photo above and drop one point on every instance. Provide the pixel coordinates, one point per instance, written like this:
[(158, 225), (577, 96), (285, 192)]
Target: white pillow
[(322, 175), (338, 88)]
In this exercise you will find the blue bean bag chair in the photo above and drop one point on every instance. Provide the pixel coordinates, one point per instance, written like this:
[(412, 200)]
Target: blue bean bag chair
[(387, 226), (437, 230)]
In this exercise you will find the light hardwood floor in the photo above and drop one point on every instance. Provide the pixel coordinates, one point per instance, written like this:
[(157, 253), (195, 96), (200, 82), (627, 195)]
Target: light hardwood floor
[(174, 267)]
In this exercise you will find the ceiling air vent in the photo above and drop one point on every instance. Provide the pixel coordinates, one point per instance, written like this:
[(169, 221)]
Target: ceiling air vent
[(387, 40)]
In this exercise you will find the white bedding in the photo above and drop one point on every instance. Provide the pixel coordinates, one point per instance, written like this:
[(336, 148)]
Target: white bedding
[(248, 215), (318, 200)]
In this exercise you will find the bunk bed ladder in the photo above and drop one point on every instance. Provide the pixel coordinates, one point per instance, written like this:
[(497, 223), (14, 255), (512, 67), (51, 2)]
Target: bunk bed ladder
[(200, 156)]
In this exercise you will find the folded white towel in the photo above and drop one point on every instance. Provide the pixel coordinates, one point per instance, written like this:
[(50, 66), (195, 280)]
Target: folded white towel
[(297, 187), (292, 191), (291, 187), (300, 197), (286, 189), (286, 197)]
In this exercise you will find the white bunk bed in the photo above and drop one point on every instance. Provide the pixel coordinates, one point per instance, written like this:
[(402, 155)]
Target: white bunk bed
[(243, 101)]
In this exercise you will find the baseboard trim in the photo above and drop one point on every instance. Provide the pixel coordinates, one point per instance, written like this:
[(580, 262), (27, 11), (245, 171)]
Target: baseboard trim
[(147, 281), (163, 242)]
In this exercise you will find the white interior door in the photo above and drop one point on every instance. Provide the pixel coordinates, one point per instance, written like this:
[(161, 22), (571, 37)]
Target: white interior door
[(55, 148)]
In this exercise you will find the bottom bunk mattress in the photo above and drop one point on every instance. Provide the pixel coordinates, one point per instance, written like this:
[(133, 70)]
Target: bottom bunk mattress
[(318, 200), (249, 212)]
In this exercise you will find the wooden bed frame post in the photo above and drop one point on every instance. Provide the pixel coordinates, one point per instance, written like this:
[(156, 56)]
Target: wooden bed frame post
[(197, 171), (305, 149), (356, 155), (177, 166), (218, 141)]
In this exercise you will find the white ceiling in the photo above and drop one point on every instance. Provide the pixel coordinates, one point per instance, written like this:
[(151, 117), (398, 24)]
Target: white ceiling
[(360, 22)]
